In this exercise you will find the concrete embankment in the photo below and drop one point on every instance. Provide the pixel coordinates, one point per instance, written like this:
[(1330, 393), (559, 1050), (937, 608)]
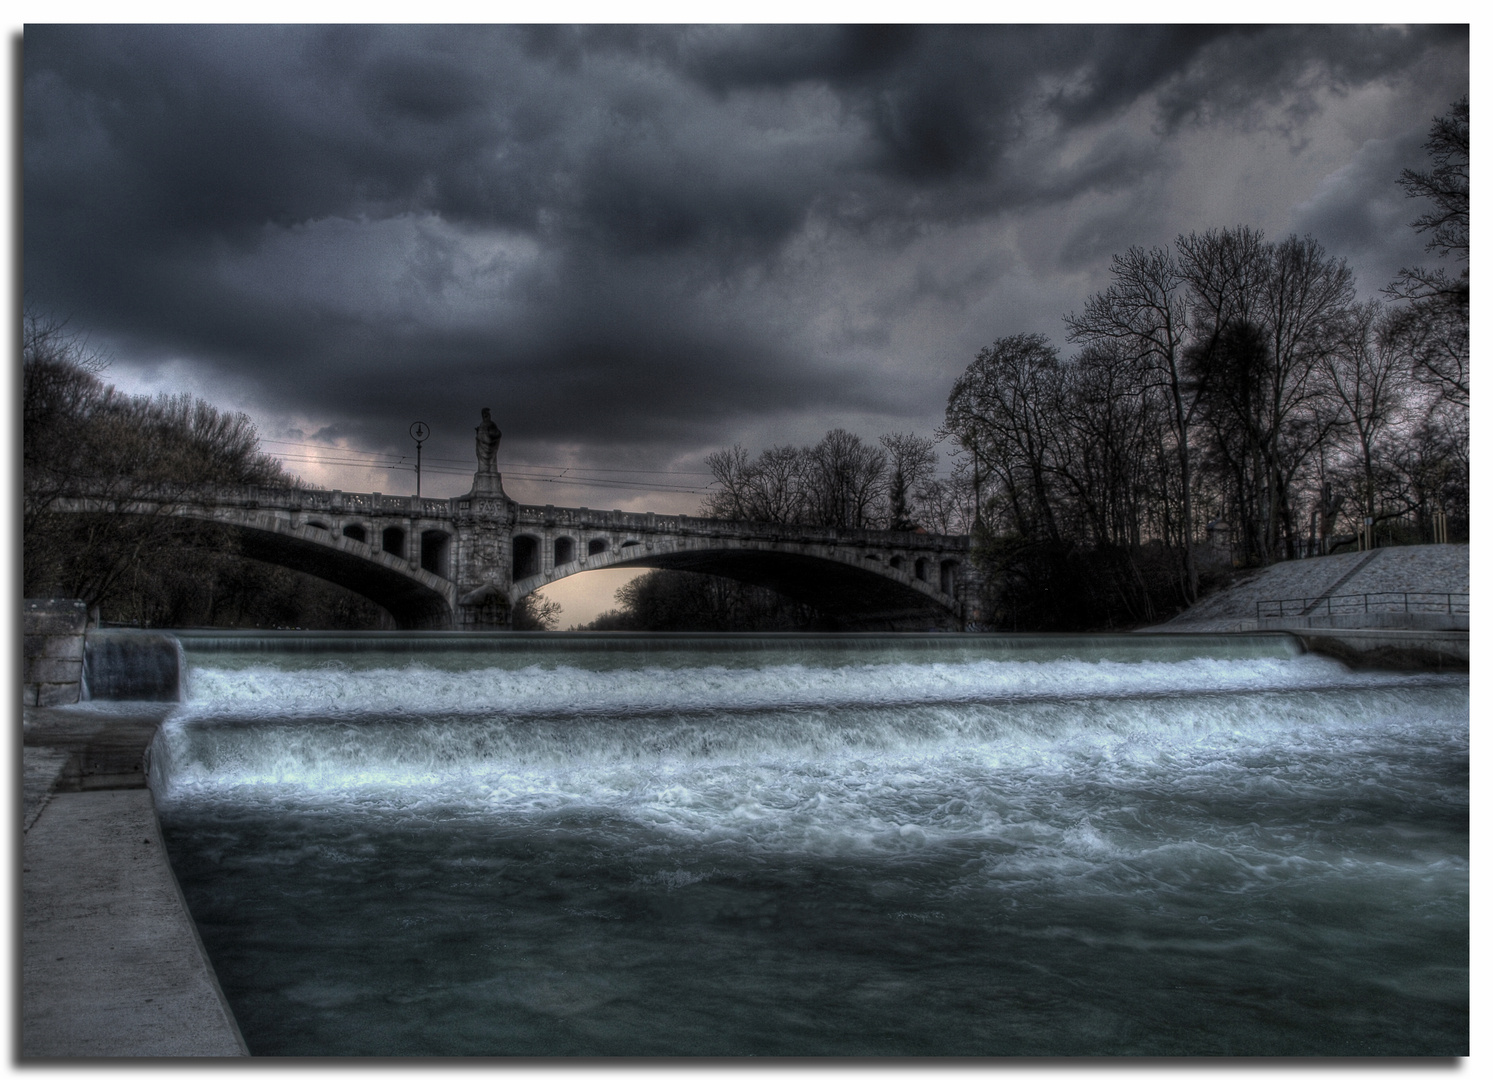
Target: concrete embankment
[(1378, 627), (1429, 573), (111, 962), (1398, 650)]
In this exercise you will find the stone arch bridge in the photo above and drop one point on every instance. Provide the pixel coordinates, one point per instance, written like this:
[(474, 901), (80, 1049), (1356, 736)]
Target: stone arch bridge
[(464, 562)]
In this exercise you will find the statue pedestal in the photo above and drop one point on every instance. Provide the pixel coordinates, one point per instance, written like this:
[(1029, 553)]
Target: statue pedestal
[(489, 484)]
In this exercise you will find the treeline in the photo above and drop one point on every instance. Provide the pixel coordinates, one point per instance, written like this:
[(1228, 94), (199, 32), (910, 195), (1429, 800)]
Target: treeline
[(842, 482), (82, 438), (682, 601), (1230, 400)]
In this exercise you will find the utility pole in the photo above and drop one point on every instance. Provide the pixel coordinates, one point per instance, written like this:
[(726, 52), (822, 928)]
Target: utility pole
[(419, 432)]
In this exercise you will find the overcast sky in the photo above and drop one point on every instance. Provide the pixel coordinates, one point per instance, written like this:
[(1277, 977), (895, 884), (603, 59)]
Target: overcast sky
[(639, 245)]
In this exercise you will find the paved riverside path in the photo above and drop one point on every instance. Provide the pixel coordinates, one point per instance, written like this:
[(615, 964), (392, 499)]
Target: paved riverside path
[(1430, 568), (111, 962)]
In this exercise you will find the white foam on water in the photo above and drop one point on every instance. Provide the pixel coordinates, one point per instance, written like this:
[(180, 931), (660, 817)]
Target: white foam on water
[(335, 688), (1097, 802), (874, 759)]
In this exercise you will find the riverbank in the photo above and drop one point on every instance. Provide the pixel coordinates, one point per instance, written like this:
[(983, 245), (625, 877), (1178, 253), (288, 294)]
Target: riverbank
[(111, 962), (1425, 570)]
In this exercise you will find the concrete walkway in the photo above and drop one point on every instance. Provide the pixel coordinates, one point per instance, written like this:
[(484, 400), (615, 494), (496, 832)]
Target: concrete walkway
[(112, 965), (110, 958)]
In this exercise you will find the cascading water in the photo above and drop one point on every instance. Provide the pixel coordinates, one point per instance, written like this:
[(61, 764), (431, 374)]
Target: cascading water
[(425, 844)]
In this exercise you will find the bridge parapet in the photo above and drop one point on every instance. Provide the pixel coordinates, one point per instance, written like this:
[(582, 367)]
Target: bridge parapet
[(686, 525), (375, 503)]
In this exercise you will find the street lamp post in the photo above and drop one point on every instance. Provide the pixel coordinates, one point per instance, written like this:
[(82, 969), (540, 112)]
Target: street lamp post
[(419, 432)]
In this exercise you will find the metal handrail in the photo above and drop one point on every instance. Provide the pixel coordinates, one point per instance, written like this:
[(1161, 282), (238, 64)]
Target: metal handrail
[(1425, 603)]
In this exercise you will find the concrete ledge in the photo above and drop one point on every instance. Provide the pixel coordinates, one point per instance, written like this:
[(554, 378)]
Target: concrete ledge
[(103, 749), (112, 964), (1400, 620), (1396, 650)]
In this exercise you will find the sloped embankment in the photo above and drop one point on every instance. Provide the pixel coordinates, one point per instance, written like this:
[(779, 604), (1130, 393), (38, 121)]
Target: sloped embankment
[(1431, 568)]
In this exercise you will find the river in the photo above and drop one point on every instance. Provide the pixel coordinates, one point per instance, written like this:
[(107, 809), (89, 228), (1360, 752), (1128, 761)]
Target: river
[(809, 845)]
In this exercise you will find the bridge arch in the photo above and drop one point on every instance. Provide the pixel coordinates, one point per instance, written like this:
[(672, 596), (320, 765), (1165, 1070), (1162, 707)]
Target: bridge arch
[(416, 598), (851, 588)]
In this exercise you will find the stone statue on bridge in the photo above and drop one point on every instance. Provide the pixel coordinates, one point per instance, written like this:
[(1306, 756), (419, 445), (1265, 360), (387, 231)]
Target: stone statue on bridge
[(488, 437)]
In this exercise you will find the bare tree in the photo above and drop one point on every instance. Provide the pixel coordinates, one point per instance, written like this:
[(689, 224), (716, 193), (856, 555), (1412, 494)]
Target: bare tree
[(535, 612), (845, 481), (947, 504), (911, 462), (732, 471), (84, 440), (1368, 374), (1434, 326), (1268, 316), (1001, 411), (1143, 316), (1448, 185), (771, 488)]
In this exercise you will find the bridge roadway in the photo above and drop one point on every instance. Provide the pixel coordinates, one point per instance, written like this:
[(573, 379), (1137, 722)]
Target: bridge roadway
[(464, 562)]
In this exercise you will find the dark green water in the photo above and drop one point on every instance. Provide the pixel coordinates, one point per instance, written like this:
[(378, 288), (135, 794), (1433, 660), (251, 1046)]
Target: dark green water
[(927, 853)]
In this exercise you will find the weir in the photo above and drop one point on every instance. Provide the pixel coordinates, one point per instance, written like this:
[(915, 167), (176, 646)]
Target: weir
[(557, 844), (132, 665), (602, 844)]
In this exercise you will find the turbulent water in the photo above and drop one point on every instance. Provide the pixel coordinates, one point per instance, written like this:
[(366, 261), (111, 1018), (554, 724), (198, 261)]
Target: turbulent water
[(813, 846)]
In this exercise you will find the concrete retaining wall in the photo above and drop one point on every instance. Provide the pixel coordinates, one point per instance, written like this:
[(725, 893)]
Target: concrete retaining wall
[(1374, 620), (1399, 650), (52, 651)]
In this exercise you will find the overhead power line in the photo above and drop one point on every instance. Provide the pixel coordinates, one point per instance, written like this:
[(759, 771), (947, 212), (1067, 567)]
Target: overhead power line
[(371, 454), (568, 475)]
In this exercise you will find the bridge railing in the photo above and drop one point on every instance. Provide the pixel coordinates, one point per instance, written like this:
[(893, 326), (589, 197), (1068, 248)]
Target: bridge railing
[(346, 502), (1375, 603), (356, 502), (687, 525)]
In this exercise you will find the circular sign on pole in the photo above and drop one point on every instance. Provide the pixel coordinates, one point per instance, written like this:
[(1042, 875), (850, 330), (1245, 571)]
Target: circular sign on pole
[(419, 431)]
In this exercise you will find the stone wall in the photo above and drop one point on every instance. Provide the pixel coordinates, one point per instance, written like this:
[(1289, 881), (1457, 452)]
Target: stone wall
[(52, 651)]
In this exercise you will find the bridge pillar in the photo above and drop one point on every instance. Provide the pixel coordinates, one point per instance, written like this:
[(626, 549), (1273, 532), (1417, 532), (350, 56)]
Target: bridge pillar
[(482, 555)]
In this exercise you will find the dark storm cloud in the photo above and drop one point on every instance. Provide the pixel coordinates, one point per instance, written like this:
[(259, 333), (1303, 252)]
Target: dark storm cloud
[(1361, 214), (1248, 72), (605, 226)]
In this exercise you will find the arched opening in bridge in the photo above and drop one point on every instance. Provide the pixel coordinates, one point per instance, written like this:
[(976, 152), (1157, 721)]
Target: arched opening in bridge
[(583, 597), (564, 550), (356, 532), (920, 569), (207, 573), (632, 543), (896, 562), (525, 557), (435, 552), (394, 541), (322, 525), (596, 547), (947, 574), (673, 600), (750, 588)]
